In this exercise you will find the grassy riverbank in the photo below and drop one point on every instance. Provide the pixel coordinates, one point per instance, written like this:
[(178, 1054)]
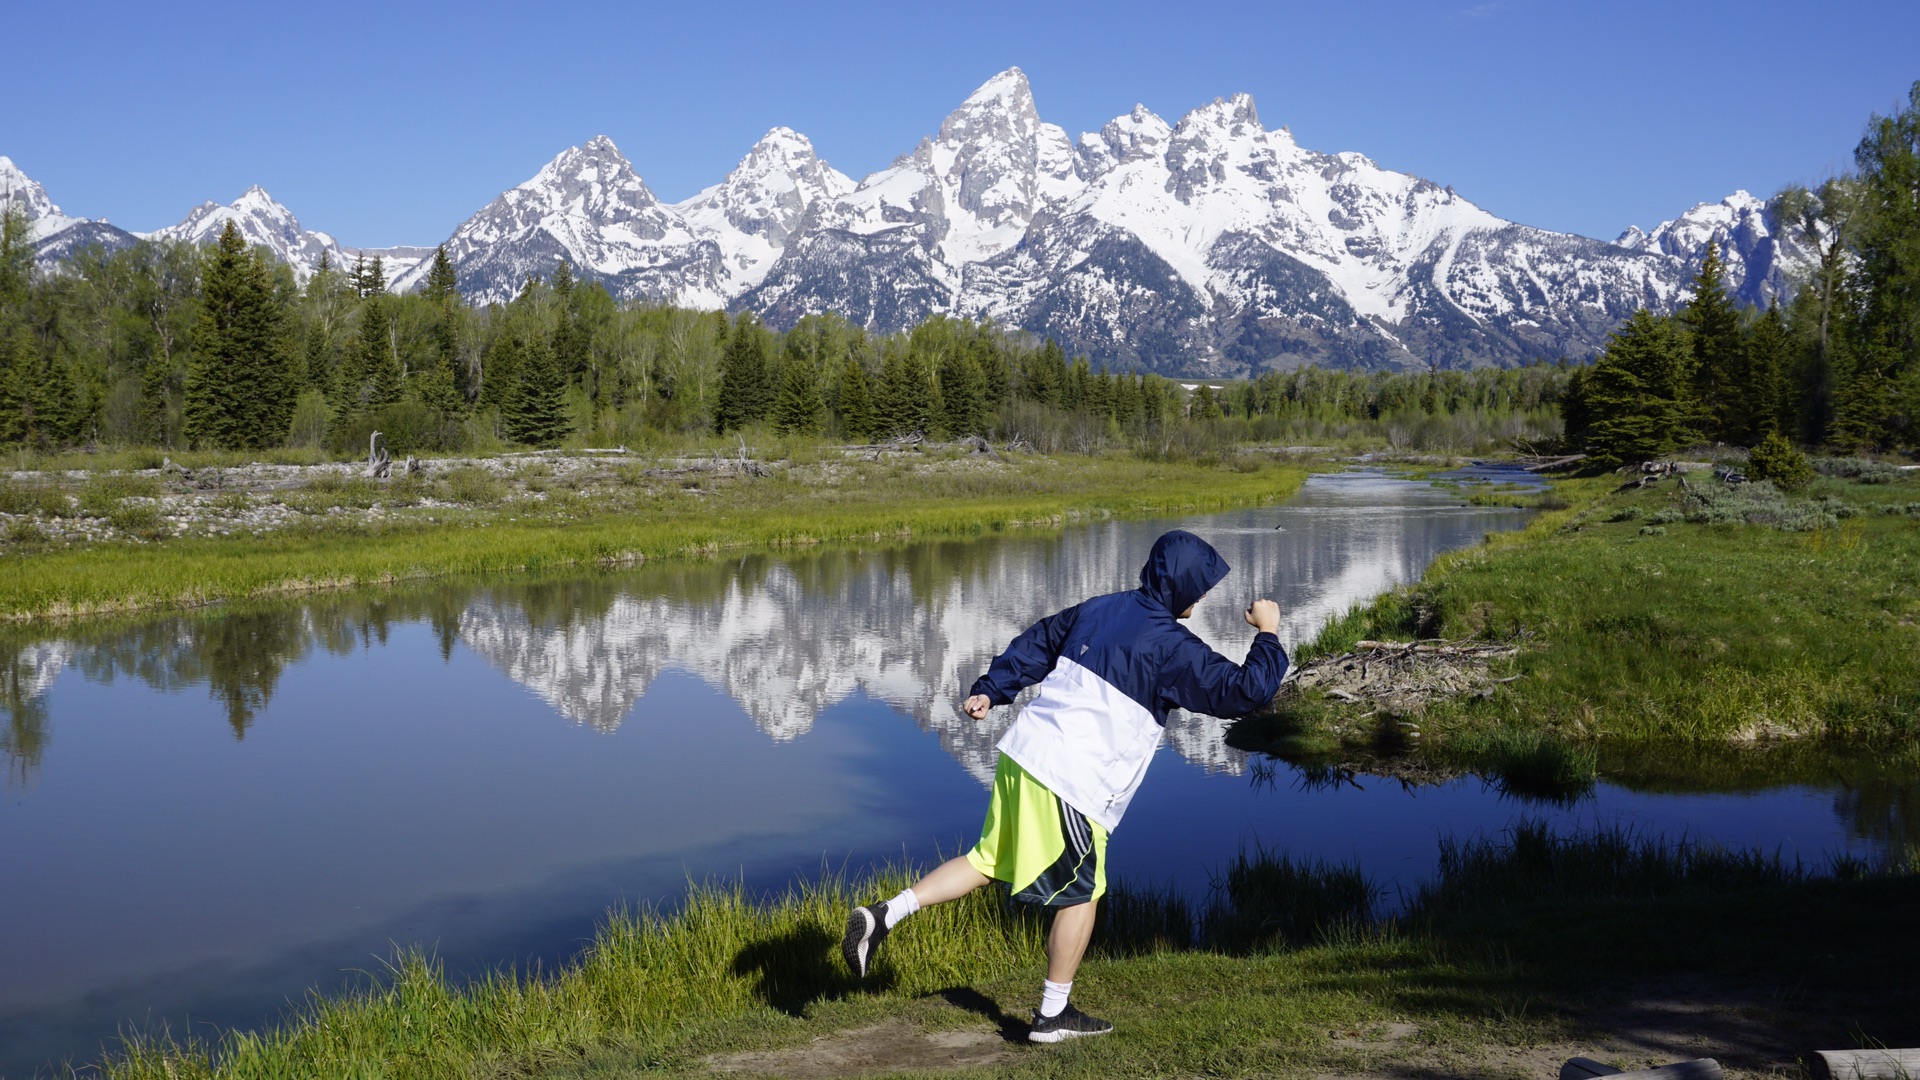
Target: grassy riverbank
[(1712, 614), (338, 530), (1526, 950)]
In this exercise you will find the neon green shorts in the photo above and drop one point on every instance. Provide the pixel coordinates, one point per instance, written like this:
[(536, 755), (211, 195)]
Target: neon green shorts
[(1046, 851)]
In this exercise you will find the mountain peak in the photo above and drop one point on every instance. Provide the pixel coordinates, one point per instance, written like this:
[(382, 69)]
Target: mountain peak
[(601, 144), (1010, 85)]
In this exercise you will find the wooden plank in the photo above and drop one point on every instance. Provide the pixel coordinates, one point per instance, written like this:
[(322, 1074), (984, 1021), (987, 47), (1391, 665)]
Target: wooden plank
[(1876, 1064)]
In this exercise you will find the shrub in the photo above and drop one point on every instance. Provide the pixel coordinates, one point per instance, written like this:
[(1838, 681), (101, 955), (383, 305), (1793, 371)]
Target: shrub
[(1776, 459), (30, 498), (1864, 470)]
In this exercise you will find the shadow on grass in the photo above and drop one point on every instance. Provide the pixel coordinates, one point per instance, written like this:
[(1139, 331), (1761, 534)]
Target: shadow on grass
[(796, 969), (1011, 1028)]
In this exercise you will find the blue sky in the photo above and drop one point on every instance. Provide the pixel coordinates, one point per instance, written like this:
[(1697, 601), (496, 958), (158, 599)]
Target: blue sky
[(391, 123)]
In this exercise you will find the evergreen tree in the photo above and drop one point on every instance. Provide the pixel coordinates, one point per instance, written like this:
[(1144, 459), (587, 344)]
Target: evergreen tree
[(906, 400), (1720, 376), (237, 392), (963, 394), (500, 368), (1204, 405), (746, 386), (536, 411), (1881, 406), (799, 410), (1776, 459), (1638, 395), (442, 293), (379, 358), (1768, 404), (569, 344), (857, 415)]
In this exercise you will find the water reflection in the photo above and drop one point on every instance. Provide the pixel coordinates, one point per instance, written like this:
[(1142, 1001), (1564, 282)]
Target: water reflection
[(787, 638)]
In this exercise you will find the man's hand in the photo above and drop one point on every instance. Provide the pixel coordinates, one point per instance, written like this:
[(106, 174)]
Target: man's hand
[(977, 706), (1264, 616)]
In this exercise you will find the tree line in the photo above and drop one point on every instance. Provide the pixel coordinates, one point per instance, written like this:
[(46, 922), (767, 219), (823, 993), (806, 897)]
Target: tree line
[(1839, 365), (176, 346)]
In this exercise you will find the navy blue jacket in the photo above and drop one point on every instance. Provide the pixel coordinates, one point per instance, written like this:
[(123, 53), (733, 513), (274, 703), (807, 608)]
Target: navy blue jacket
[(1111, 668)]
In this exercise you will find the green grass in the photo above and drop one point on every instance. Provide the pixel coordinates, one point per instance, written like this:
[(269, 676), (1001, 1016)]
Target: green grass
[(1750, 618), (1518, 938), (623, 524)]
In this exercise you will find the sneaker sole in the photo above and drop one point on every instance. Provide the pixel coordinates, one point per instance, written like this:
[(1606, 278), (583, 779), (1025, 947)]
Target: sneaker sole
[(853, 947), (1062, 1036)]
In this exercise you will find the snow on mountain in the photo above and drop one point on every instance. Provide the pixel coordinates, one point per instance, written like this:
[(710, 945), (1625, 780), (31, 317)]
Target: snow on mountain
[(45, 217), (894, 249), (56, 235), (261, 221), (761, 203), (1210, 246), (590, 207), (1762, 261)]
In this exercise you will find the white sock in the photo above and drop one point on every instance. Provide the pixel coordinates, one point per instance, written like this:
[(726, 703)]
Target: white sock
[(901, 906), (1053, 997)]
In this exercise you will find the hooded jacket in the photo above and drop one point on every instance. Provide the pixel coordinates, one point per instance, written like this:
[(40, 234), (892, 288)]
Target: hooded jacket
[(1109, 671)]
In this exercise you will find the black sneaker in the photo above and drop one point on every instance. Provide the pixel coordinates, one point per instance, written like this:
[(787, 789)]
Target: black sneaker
[(1070, 1024), (866, 929)]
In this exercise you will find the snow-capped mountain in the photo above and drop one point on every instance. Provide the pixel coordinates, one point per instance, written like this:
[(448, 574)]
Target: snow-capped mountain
[(590, 207), (263, 221), (1761, 258), (1214, 245), (761, 203), (56, 235)]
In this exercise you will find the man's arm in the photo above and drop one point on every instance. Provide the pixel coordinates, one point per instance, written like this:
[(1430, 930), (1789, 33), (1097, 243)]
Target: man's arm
[(1026, 661), (1202, 680)]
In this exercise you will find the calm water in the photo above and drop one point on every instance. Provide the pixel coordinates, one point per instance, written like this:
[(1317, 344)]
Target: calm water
[(205, 816)]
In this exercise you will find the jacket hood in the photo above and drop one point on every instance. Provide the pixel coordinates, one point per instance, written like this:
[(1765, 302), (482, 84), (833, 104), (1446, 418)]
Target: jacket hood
[(1180, 570)]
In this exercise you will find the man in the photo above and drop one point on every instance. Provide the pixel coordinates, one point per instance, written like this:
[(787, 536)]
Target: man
[(1109, 671)]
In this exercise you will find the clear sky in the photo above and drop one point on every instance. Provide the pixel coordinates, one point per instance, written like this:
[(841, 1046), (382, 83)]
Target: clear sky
[(390, 123)]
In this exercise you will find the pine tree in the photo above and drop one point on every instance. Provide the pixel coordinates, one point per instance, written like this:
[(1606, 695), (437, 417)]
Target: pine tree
[(237, 393), (906, 401), (799, 410), (1204, 405), (1639, 393), (536, 412), (746, 388), (384, 378), (569, 343), (857, 415), (1768, 403), (1720, 375), (442, 292), (1776, 459), (963, 394), (1879, 404)]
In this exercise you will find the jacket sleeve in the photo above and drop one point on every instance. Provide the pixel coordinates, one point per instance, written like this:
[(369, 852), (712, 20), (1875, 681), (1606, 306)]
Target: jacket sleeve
[(1199, 679), (1028, 659)]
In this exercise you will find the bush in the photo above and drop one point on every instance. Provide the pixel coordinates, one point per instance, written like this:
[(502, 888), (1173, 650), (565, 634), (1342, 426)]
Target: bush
[(1757, 503), (1864, 470), (30, 498), (1776, 459)]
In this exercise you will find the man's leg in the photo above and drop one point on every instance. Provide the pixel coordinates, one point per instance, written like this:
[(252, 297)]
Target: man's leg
[(1067, 942), (869, 924), (951, 880)]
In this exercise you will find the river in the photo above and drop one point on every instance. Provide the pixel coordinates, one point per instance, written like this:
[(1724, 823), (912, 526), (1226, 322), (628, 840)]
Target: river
[(207, 815)]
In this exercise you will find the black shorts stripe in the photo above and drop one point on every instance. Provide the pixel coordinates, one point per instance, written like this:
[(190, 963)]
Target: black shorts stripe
[(1070, 880)]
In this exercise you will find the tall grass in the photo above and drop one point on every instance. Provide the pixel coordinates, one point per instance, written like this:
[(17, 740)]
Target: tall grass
[(661, 988)]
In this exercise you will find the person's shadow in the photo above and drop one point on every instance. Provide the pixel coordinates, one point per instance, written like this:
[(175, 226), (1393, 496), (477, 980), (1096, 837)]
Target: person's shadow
[(793, 970), (1012, 1029), (800, 967)]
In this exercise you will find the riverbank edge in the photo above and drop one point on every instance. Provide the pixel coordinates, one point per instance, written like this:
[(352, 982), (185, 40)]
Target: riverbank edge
[(119, 579), (1505, 731)]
